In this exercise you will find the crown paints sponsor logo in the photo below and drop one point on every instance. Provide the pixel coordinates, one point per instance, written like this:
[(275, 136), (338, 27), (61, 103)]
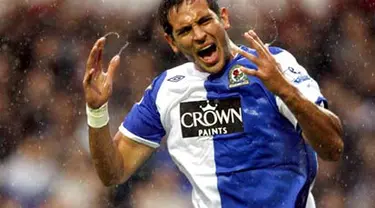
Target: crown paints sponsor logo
[(211, 117)]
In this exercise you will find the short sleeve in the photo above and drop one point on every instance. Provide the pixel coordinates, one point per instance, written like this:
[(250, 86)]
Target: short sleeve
[(300, 78), (143, 124)]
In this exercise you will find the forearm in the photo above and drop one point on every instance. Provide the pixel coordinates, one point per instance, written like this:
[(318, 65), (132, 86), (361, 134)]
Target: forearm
[(321, 128), (107, 159)]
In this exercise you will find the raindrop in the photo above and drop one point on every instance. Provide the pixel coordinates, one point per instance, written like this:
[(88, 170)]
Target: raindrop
[(4, 47)]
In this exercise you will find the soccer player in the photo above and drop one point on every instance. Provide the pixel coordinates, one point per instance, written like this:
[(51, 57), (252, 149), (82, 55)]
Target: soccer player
[(244, 124)]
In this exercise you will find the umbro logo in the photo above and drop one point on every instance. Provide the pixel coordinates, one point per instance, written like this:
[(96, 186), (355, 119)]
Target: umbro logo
[(176, 78)]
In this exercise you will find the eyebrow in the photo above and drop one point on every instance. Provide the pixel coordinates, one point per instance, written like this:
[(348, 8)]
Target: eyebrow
[(205, 17)]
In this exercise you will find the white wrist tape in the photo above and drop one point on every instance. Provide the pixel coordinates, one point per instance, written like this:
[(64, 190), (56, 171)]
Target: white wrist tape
[(97, 118)]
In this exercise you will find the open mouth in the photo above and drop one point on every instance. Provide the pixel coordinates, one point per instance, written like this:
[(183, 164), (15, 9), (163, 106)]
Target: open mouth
[(209, 54)]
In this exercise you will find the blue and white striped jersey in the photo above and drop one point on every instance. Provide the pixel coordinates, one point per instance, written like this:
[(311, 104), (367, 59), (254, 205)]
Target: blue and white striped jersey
[(238, 144)]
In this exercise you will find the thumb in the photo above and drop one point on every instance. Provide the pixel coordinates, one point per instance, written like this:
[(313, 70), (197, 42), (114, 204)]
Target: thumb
[(88, 76), (112, 68)]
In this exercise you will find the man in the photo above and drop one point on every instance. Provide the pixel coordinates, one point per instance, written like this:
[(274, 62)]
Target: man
[(244, 125)]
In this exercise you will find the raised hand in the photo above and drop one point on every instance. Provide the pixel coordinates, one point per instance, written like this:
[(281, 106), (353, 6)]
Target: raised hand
[(269, 71), (97, 83)]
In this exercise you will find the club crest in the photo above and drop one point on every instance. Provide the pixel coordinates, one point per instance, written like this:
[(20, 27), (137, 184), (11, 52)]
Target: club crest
[(237, 77)]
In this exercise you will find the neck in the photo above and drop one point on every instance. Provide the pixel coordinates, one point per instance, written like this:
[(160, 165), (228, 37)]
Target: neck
[(233, 48)]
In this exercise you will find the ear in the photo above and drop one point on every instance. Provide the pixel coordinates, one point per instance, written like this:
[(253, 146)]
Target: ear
[(171, 42), (225, 17)]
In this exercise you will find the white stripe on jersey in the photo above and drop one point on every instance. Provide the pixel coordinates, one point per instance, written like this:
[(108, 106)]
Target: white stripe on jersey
[(310, 201), (194, 156)]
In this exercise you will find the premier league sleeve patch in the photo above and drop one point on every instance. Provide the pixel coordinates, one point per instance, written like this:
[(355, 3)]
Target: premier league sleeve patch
[(211, 117), (237, 77)]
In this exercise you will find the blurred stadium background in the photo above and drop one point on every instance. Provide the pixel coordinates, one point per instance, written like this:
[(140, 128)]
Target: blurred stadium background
[(44, 156)]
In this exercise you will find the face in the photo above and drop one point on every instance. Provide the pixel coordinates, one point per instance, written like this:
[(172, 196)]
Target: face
[(200, 35)]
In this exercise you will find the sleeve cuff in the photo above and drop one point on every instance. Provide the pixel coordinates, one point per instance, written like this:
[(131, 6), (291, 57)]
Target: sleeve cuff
[(321, 101), (136, 138)]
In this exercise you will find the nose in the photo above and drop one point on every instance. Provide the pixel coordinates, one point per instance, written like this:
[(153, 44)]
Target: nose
[(199, 34)]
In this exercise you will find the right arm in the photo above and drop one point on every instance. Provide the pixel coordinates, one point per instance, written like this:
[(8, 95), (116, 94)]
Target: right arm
[(115, 159)]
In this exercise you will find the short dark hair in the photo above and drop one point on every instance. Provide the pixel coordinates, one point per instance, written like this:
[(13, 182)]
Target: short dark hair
[(166, 5)]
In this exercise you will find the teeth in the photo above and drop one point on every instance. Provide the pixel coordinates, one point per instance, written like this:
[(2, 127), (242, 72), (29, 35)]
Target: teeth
[(206, 47)]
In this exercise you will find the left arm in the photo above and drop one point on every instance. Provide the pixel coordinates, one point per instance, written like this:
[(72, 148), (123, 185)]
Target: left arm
[(320, 127)]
